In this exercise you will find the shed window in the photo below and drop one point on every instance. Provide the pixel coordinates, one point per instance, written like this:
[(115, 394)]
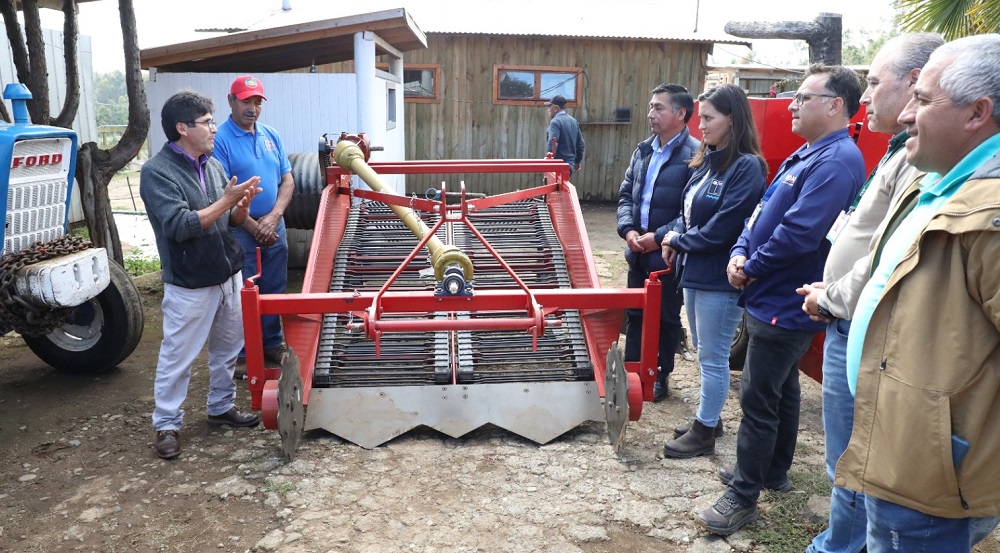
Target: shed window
[(530, 85), (421, 82)]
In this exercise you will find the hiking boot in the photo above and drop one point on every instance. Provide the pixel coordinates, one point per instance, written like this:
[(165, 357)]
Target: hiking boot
[(700, 440), (727, 515), (682, 429), (726, 476), (661, 390), (276, 355)]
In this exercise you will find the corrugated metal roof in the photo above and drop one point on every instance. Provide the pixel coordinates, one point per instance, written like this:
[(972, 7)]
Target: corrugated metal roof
[(287, 45), (320, 31), (620, 19)]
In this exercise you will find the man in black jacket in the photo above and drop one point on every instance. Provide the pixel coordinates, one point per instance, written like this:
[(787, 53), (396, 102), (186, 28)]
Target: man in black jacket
[(649, 201)]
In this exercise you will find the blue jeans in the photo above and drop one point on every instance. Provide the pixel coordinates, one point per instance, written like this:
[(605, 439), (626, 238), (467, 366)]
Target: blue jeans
[(894, 528), (713, 317), (273, 276), (846, 532), (770, 398), (639, 268)]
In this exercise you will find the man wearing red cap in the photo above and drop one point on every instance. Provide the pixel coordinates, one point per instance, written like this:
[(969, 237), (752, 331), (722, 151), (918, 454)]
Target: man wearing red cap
[(246, 147)]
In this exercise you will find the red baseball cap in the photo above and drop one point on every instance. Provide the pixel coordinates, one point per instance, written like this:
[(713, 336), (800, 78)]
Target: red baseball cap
[(247, 86)]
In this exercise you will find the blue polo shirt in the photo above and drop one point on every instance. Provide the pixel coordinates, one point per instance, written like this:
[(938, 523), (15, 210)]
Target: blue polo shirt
[(245, 154), (786, 245)]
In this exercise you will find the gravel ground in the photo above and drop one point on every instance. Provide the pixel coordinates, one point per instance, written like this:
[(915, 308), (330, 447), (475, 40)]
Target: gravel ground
[(78, 473)]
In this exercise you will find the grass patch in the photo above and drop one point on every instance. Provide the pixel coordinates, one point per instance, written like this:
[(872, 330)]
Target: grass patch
[(79, 230), (137, 263), (785, 526), (279, 487)]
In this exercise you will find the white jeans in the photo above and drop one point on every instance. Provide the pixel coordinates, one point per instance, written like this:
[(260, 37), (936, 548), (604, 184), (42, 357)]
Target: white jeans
[(190, 318)]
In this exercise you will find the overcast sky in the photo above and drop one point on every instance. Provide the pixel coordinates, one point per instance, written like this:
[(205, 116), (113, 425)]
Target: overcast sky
[(174, 21)]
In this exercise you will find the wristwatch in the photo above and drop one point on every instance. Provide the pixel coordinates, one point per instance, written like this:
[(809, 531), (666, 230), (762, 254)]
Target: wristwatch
[(824, 312)]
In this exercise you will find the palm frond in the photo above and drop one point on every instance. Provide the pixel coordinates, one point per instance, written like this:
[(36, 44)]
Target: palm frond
[(951, 18)]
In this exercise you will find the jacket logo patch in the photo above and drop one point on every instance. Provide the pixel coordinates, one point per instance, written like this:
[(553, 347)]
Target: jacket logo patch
[(789, 180), (714, 189)]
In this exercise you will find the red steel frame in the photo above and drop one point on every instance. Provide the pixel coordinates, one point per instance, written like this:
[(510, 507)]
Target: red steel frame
[(601, 308)]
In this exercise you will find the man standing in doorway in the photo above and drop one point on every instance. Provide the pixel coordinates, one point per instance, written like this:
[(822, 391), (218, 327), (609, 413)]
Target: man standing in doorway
[(783, 245), (563, 138), (246, 147), (649, 201)]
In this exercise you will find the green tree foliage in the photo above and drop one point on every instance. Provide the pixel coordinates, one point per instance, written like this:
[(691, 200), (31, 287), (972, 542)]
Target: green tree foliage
[(111, 98), (951, 18), (859, 48)]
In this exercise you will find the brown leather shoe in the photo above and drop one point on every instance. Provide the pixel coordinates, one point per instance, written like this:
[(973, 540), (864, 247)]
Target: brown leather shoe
[(168, 444), (235, 417)]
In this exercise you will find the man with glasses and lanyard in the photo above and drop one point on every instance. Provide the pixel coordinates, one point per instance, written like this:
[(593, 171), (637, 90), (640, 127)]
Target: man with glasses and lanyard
[(191, 208), (246, 147), (783, 245)]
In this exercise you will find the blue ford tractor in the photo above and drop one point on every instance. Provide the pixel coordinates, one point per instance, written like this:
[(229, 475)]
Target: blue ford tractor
[(77, 311)]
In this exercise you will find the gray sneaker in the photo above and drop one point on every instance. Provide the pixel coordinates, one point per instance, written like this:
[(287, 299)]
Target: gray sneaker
[(727, 515)]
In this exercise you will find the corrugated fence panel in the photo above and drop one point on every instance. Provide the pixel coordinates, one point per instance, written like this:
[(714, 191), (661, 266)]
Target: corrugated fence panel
[(300, 106)]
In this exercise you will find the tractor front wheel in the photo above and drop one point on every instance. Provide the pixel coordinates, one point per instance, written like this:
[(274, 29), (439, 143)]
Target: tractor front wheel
[(98, 334)]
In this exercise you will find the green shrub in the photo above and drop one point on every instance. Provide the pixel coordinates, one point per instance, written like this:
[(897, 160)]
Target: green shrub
[(138, 263)]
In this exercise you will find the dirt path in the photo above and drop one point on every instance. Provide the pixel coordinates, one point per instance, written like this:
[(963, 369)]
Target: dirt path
[(77, 472)]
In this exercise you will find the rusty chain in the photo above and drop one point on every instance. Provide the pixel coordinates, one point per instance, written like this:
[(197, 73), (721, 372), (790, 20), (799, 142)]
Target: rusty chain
[(20, 314)]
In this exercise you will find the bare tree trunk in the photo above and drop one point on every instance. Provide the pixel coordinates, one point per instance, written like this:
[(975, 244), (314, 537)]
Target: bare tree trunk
[(823, 35), (38, 78), (18, 50), (71, 104), (96, 167), (138, 108), (95, 200)]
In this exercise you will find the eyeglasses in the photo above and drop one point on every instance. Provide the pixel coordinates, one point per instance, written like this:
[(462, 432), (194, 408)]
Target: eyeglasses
[(802, 97), (210, 123)]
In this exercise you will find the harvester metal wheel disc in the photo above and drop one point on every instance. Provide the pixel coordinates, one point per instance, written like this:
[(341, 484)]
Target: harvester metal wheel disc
[(291, 412), (616, 405)]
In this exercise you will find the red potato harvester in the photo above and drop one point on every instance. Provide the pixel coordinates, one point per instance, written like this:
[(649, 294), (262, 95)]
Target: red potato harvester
[(450, 313)]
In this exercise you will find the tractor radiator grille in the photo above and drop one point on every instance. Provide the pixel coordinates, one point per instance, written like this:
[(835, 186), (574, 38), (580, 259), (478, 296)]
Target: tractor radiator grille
[(37, 192)]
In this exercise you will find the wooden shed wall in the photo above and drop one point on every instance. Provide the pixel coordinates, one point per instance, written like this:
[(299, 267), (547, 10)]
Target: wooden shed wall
[(467, 124)]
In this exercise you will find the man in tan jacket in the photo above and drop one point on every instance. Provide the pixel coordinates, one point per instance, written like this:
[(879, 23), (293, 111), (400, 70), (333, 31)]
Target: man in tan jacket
[(923, 353)]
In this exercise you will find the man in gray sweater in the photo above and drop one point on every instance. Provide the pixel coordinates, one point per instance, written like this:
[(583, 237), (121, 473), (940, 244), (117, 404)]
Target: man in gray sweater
[(891, 77), (190, 207)]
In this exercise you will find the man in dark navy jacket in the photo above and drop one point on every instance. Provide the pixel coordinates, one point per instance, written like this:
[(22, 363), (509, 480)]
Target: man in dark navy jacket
[(649, 201), (783, 244)]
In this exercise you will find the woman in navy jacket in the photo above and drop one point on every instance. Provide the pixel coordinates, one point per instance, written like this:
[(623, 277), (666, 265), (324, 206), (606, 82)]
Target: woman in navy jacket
[(728, 183)]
